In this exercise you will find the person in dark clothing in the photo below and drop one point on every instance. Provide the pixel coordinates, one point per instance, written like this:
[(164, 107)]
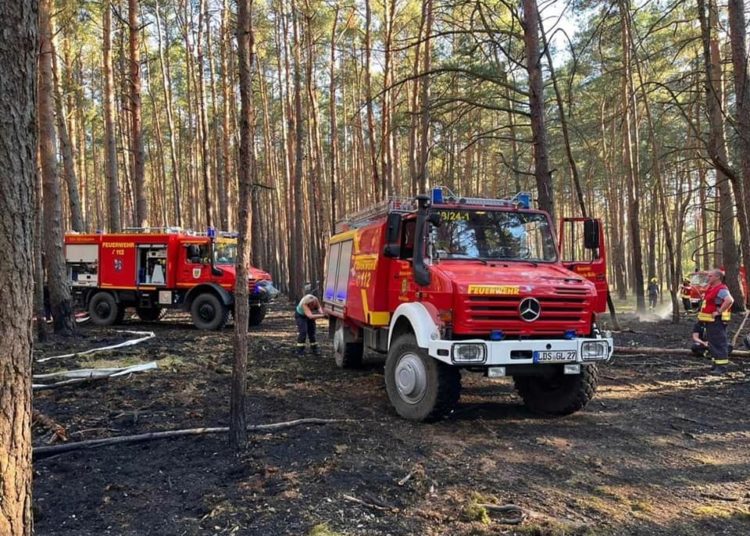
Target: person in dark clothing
[(653, 293), (700, 345), (307, 311)]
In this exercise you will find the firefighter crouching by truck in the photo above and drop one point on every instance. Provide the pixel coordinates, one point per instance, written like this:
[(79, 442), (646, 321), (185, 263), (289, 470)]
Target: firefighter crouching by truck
[(714, 315), (454, 284)]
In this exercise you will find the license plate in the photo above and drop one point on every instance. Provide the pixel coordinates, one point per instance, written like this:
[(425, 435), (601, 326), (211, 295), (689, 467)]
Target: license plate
[(555, 356)]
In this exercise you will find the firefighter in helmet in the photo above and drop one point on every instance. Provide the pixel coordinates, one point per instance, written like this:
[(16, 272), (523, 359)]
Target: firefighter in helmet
[(685, 291), (714, 315)]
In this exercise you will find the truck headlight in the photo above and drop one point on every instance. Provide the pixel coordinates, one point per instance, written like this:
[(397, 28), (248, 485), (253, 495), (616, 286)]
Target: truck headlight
[(592, 350), (469, 353)]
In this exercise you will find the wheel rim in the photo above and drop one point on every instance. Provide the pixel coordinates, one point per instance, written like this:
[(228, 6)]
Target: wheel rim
[(102, 309), (411, 378), (338, 343), (206, 312)]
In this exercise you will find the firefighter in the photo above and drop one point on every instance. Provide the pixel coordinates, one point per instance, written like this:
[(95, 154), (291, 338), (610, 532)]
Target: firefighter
[(653, 293), (685, 291), (307, 311), (714, 314), (700, 345)]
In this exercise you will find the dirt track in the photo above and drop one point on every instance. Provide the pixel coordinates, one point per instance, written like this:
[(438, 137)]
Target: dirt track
[(662, 449)]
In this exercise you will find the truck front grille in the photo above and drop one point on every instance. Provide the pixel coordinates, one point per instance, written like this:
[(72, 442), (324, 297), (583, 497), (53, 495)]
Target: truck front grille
[(559, 313)]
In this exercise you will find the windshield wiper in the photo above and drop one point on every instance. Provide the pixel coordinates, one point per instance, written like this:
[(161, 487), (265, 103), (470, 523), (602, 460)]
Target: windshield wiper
[(458, 256)]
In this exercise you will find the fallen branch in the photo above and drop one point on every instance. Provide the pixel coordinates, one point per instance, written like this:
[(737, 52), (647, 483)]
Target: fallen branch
[(42, 452), (363, 503), (719, 497), (58, 431), (645, 350)]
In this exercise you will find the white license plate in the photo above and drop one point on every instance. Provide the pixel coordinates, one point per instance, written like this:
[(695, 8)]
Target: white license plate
[(555, 356)]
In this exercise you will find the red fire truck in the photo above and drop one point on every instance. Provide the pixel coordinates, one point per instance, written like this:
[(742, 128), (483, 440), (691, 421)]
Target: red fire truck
[(154, 270), (447, 283)]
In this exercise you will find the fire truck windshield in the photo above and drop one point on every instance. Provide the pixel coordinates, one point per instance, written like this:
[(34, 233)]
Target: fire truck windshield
[(225, 252), (493, 235)]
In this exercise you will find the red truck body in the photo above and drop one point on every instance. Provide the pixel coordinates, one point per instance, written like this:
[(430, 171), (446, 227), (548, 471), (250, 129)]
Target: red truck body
[(151, 271), (463, 283)]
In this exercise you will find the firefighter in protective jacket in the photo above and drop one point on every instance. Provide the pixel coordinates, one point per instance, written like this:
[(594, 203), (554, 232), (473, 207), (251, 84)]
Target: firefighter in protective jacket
[(714, 314), (685, 291)]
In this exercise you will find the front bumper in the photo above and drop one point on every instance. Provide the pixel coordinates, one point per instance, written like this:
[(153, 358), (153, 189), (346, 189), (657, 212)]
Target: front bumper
[(525, 352)]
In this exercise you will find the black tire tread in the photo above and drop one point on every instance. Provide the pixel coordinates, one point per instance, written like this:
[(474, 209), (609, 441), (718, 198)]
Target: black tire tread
[(224, 317), (567, 402), (448, 380)]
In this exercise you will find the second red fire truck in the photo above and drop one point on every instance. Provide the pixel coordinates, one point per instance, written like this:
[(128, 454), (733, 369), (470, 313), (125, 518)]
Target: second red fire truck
[(155, 270), (448, 283)]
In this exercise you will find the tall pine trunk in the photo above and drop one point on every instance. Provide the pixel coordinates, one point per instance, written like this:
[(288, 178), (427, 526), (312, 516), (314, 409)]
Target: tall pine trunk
[(18, 56), (59, 291)]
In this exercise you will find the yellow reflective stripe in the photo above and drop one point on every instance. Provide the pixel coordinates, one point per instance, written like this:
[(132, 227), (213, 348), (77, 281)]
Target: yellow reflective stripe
[(721, 361), (726, 316), (705, 317), (380, 318), (374, 318)]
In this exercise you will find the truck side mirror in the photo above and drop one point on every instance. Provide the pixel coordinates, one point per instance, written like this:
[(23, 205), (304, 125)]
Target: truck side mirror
[(591, 234), (392, 235)]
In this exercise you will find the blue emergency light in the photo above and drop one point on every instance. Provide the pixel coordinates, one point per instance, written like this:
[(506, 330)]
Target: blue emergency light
[(523, 199), (570, 334), (496, 335), (211, 232), (437, 196)]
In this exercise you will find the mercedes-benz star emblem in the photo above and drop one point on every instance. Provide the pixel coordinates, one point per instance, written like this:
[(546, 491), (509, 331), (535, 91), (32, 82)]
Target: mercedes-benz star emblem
[(530, 309)]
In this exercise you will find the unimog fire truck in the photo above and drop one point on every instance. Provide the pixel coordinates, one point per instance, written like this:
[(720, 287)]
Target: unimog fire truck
[(155, 270), (446, 283)]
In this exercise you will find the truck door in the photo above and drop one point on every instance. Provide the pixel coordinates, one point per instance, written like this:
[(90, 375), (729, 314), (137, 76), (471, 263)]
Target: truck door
[(402, 287), (582, 251), (194, 264)]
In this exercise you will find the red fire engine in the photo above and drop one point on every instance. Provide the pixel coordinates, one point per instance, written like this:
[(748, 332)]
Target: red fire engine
[(151, 271), (451, 283)]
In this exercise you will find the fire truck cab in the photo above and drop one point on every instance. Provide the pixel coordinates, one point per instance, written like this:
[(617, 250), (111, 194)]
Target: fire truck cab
[(151, 271), (447, 283)]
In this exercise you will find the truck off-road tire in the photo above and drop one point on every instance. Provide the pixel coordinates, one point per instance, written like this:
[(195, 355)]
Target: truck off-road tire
[(419, 387), (208, 312), (148, 314), (561, 394), (104, 310), (257, 314), (346, 351)]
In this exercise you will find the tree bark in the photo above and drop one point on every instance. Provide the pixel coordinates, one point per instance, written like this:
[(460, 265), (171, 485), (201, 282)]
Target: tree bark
[(245, 48), (167, 85), (18, 56), (709, 19), (110, 141), (631, 170), (737, 34), (66, 148), (59, 291), (136, 133), (205, 167), (544, 185), (379, 194)]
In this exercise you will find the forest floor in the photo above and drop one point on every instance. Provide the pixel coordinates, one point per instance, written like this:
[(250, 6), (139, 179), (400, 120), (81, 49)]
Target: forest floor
[(662, 448)]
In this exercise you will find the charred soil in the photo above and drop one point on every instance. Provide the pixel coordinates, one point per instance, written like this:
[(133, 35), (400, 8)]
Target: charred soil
[(662, 448)]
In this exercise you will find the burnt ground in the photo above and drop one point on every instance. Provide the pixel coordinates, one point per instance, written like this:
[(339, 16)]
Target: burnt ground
[(662, 449)]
